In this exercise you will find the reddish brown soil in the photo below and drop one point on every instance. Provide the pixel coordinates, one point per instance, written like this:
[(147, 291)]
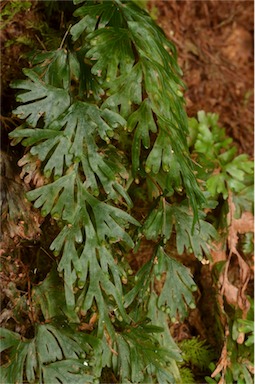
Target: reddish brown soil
[(214, 40)]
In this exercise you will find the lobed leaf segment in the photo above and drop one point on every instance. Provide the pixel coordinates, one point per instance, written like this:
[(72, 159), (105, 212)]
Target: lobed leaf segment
[(101, 112)]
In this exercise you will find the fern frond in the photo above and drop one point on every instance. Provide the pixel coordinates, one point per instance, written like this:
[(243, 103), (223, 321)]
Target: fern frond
[(53, 354), (163, 218), (42, 100)]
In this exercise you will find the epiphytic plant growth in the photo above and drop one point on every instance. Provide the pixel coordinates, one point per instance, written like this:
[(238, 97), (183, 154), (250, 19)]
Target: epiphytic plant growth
[(113, 162)]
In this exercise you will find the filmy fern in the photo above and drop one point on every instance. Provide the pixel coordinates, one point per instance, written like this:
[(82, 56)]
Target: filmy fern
[(55, 355), (103, 110)]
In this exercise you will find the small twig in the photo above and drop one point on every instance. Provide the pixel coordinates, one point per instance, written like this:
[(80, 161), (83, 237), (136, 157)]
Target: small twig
[(41, 42), (65, 35)]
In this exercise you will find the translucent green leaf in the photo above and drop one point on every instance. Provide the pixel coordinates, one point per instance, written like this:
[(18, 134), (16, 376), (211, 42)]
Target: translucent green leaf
[(172, 180), (161, 221), (96, 121), (161, 155), (50, 296), (110, 221), (49, 140), (95, 16), (234, 184), (237, 172), (101, 287), (228, 155), (54, 67), (66, 372), (72, 138), (115, 43), (204, 140), (22, 357), (212, 142), (8, 339), (163, 91), (107, 224), (244, 163), (177, 292), (80, 27), (244, 200), (142, 282), (31, 362), (216, 184), (234, 171), (47, 345), (60, 159), (70, 345), (143, 122), (165, 338), (197, 237), (182, 157), (208, 122), (193, 131), (148, 37), (114, 120), (154, 224), (69, 263), (13, 371), (143, 35), (57, 197), (73, 142), (33, 135), (30, 359), (136, 364), (125, 91), (42, 100), (140, 355), (89, 84), (124, 364)]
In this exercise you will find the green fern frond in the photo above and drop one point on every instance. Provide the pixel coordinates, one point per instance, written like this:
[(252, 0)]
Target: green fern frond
[(113, 89), (163, 218), (51, 355)]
